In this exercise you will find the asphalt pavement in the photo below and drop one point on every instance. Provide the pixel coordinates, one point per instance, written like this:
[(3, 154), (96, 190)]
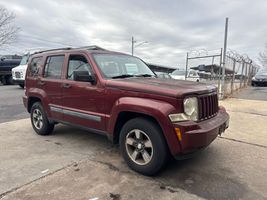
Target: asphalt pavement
[(11, 105), (252, 93)]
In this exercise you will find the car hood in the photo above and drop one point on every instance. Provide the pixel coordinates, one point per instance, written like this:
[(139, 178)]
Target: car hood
[(261, 76), (178, 77), (20, 67), (165, 87)]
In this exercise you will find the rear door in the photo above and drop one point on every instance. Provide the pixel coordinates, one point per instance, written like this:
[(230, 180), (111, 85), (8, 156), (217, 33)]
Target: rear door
[(51, 84), (83, 102)]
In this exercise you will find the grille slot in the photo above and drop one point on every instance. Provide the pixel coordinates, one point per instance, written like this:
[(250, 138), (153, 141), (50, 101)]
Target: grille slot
[(208, 106)]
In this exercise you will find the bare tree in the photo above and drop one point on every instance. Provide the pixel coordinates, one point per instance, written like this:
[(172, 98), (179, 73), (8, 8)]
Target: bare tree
[(263, 57), (8, 30)]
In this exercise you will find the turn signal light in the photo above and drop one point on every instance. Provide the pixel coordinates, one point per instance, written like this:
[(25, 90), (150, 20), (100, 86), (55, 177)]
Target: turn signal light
[(179, 134)]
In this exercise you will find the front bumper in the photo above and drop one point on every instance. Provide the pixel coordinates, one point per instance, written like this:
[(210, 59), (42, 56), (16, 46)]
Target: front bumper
[(259, 82), (198, 135), (18, 82)]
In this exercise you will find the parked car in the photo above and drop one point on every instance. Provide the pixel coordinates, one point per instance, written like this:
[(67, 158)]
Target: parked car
[(19, 72), (117, 95), (260, 79), (163, 75), (6, 65), (192, 75)]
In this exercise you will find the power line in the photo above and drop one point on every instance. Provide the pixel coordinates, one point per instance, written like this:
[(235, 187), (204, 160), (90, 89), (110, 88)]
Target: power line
[(44, 40)]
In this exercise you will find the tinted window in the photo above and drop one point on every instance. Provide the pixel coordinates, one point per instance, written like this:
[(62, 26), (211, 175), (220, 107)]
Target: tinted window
[(35, 66), (53, 67), (77, 63), (24, 59)]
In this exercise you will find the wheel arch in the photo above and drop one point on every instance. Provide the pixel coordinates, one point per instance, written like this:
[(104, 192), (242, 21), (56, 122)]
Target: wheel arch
[(131, 107), (31, 101), (125, 116)]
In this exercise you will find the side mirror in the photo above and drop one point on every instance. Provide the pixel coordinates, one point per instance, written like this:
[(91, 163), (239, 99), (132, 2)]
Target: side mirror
[(83, 76)]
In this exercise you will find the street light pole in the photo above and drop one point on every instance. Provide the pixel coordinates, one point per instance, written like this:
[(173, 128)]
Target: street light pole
[(133, 44)]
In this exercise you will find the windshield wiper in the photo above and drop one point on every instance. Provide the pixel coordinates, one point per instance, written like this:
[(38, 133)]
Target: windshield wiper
[(143, 75), (123, 76)]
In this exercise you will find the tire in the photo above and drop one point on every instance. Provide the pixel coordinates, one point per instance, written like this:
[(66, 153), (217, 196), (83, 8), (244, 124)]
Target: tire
[(21, 85), (148, 154), (38, 116), (3, 80), (9, 80)]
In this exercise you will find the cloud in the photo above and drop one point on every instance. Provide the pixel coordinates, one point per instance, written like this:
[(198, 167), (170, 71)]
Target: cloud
[(171, 27)]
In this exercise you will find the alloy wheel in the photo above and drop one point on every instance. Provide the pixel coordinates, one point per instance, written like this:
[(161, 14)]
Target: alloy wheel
[(139, 147), (37, 118)]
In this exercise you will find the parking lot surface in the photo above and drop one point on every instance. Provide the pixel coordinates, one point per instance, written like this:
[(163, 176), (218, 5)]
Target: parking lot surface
[(75, 164), (11, 107)]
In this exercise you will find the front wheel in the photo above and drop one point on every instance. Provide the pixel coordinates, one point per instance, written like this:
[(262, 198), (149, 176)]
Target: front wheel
[(143, 146), (40, 123)]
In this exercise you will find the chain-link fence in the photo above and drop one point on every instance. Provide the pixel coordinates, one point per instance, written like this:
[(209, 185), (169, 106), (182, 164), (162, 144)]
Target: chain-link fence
[(239, 70)]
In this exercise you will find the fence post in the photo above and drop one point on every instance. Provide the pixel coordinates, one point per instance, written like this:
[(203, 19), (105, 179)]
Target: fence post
[(186, 66), (233, 76), (241, 77), (219, 72)]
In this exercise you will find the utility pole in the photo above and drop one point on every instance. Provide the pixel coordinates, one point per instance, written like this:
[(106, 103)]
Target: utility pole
[(133, 45), (224, 56)]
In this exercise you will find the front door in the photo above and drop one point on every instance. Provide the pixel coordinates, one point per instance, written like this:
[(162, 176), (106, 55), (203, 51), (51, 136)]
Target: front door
[(82, 100)]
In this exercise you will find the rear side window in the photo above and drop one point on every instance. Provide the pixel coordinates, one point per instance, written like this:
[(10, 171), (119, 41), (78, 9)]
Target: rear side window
[(53, 67), (35, 66)]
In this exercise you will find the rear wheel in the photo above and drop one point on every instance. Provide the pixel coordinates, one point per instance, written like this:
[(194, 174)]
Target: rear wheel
[(21, 85), (9, 80), (40, 123), (143, 146), (3, 80)]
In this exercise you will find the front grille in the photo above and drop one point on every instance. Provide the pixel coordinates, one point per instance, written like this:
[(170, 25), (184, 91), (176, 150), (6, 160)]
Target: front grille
[(17, 74), (208, 106)]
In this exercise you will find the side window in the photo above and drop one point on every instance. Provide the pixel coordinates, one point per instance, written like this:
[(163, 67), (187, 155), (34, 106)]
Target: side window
[(78, 64), (53, 67), (35, 66)]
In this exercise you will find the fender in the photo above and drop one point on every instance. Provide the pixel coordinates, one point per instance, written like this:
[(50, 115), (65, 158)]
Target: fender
[(41, 94), (159, 110)]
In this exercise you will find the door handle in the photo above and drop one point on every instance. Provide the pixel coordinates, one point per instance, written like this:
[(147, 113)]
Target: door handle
[(66, 85), (41, 83)]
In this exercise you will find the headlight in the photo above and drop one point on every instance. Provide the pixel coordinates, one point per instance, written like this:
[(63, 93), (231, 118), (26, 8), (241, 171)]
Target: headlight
[(190, 111), (191, 108), (253, 78)]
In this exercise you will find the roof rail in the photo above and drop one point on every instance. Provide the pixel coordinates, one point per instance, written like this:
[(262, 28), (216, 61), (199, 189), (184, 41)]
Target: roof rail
[(64, 48), (92, 47)]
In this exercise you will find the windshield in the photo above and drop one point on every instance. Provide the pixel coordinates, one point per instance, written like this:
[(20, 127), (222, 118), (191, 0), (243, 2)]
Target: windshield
[(122, 66), (178, 72), (24, 60)]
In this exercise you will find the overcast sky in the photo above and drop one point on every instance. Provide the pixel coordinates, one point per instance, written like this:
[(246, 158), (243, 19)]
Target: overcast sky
[(171, 28)]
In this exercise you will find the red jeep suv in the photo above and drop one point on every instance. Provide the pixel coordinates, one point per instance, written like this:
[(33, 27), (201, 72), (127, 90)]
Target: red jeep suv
[(117, 95)]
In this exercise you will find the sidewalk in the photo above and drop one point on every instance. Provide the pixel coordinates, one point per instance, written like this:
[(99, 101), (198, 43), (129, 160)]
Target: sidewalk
[(248, 120)]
